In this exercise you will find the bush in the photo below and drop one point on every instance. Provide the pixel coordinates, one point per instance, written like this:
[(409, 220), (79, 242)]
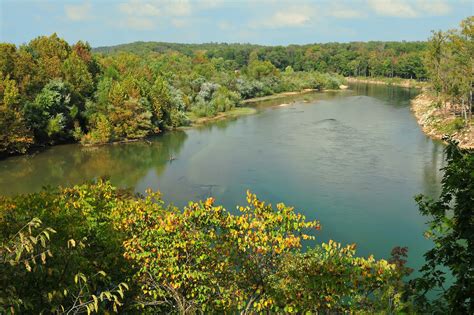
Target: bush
[(452, 126), (331, 279), (179, 118), (200, 259), (214, 99), (46, 276)]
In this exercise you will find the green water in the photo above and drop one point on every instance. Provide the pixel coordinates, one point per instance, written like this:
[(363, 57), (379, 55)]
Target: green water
[(351, 159)]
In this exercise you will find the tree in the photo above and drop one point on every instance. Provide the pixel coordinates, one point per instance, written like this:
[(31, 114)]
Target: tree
[(130, 120), (449, 62), (204, 258), (331, 279), (452, 231), (160, 99), (259, 69), (50, 52), (51, 114), (26, 74), (77, 266), (76, 72), (7, 58), (15, 136)]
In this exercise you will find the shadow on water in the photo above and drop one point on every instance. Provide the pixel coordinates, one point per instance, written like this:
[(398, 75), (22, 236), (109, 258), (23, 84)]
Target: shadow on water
[(397, 96)]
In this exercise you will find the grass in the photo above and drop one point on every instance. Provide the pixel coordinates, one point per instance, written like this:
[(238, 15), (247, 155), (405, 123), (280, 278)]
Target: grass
[(452, 126)]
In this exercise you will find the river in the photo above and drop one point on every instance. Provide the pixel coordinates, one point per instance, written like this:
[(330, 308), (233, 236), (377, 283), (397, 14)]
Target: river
[(352, 159)]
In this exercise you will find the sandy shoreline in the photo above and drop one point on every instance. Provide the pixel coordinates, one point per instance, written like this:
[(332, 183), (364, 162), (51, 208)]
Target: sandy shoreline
[(406, 83)]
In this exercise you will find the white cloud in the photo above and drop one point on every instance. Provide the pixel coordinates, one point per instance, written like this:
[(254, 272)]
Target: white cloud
[(208, 4), (289, 17), (142, 14), (156, 8), (138, 8), (394, 8), (178, 7), (346, 13), (78, 12), (410, 9), (140, 23), (343, 10), (434, 7)]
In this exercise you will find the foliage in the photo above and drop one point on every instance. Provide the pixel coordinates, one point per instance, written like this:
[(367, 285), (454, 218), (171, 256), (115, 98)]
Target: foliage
[(68, 93), (452, 126), (51, 113), (205, 258), (452, 231), (85, 267), (213, 98), (15, 137), (374, 58), (19, 252), (449, 61), (198, 259), (330, 278)]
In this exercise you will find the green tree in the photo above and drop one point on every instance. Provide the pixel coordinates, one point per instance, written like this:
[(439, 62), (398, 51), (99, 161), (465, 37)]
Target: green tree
[(331, 279), (452, 231), (161, 103), (7, 58), (260, 69), (76, 267), (76, 72), (15, 136), (51, 114)]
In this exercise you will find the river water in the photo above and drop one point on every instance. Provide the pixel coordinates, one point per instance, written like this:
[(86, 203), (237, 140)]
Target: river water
[(352, 159)]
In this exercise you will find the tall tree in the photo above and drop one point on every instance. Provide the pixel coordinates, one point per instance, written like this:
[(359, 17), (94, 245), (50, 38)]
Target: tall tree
[(15, 137), (452, 230)]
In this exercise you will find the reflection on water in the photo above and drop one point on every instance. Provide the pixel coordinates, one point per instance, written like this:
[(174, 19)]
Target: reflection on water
[(125, 164), (351, 159)]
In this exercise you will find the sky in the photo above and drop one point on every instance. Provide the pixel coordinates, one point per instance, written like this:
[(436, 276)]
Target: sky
[(267, 22)]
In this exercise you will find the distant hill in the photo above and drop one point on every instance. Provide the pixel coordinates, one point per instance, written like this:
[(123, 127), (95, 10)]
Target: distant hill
[(403, 59), (141, 47)]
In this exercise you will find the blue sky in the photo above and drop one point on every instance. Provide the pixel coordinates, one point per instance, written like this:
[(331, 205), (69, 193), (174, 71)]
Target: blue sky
[(272, 22)]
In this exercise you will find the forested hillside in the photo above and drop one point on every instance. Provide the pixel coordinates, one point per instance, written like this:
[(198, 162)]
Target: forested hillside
[(389, 59)]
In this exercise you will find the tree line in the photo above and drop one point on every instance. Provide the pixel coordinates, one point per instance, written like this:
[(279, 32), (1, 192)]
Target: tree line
[(52, 92), (375, 58)]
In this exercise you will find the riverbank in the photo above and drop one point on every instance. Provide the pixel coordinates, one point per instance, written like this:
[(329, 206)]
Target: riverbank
[(233, 113), (195, 121), (437, 123), (246, 109), (277, 96), (406, 83)]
